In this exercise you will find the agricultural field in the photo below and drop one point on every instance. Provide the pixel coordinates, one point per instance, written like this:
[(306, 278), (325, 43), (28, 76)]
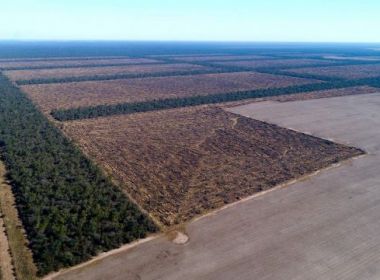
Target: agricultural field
[(356, 90), (145, 139), (274, 63), (358, 58), (197, 159), (326, 94), (56, 63), (346, 72), (16, 75), (216, 58), (70, 95)]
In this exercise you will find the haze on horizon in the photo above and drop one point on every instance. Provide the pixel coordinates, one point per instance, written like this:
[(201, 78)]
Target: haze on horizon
[(197, 20)]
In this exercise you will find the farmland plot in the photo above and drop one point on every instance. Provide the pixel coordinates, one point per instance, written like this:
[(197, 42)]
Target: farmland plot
[(99, 71), (70, 62), (81, 94), (192, 160), (347, 72), (275, 63), (216, 58)]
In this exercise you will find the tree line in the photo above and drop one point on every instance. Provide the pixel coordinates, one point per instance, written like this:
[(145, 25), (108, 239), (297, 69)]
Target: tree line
[(69, 208), (42, 67), (121, 76), (160, 104)]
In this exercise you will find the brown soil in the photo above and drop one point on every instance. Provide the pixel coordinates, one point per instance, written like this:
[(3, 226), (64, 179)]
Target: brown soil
[(6, 267), (216, 57), (348, 72), (21, 255), (71, 62), (180, 163), (309, 95), (97, 71), (71, 95), (276, 63)]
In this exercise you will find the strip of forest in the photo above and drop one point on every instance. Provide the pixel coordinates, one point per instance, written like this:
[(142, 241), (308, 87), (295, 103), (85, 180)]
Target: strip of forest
[(130, 108), (215, 69), (124, 76), (40, 67), (69, 208)]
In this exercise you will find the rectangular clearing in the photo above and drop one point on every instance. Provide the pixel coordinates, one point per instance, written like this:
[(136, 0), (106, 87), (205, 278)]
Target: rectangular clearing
[(99, 71), (192, 160), (216, 58), (276, 63), (325, 227), (71, 62), (347, 72), (82, 94)]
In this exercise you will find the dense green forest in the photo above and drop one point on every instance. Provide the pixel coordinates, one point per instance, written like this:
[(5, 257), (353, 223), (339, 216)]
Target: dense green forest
[(130, 108), (69, 209)]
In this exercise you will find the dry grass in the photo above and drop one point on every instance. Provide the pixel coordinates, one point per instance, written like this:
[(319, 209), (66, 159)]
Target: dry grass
[(71, 95), (72, 62), (347, 72), (99, 71), (21, 255), (6, 267), (180, 163), (276, 63)]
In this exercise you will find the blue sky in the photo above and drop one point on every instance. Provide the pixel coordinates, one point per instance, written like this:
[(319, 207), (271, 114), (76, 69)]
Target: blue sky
[(199, 20)]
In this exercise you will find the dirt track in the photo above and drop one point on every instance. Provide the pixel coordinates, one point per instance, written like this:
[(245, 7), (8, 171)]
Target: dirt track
[(325, 227)]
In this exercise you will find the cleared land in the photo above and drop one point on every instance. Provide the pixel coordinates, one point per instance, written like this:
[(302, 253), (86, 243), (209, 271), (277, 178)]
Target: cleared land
[(359, 58), (326, 93), (82, 94), (347, 72), (99, 71), (22, 260), (71, 62), (6, 267), (308, 95), (197, 159), (322, 228), (276, 63), (216, 58)]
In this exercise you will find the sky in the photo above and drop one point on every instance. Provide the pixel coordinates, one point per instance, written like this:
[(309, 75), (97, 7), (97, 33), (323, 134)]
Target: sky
[(192, 20)]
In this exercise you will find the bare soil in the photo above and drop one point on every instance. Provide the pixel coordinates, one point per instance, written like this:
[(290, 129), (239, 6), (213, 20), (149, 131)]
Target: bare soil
[(308, 95), (6, 267), (180, 163), (21, 255)]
